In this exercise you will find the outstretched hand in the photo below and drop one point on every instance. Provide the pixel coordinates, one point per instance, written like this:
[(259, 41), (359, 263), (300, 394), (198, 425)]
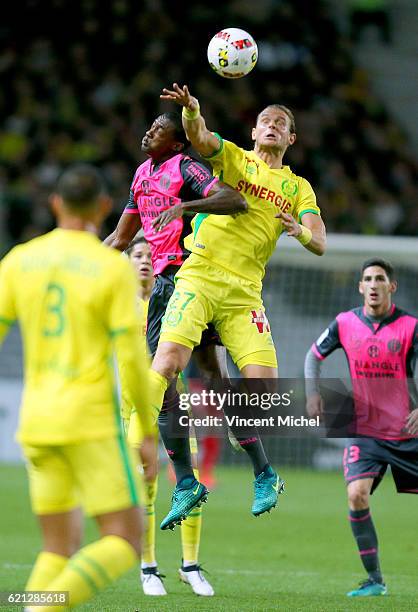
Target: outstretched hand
[(290, 224), (412, 423), (164, 218), (181, 96)]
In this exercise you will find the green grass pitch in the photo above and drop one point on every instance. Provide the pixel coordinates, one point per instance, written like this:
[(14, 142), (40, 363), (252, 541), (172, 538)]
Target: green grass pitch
[(301, 557)]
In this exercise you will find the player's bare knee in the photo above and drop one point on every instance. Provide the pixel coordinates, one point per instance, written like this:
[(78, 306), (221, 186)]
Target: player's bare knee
[(167, 366), (358, 495), (170, 359)]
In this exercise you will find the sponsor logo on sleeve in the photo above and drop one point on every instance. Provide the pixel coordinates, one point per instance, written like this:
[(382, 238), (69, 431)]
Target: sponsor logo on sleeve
[(322, 337), (198, 173), (260, 320)]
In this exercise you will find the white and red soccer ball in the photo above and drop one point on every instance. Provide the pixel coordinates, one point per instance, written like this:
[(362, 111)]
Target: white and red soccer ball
[(232, 53)]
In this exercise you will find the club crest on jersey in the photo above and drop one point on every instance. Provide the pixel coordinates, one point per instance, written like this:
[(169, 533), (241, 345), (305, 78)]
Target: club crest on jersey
[(146, 187), (165, 181), (172, 318), (373, 351), (289, 188), (260, 320), (251, 166), (394, 346)]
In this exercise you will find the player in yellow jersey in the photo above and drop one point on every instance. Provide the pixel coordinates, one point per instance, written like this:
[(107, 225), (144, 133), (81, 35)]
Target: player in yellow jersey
[(75, 302), (139, 253), (221, 280)]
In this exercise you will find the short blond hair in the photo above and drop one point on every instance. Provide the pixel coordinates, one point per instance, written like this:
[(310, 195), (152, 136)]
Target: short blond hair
[(286, 110)]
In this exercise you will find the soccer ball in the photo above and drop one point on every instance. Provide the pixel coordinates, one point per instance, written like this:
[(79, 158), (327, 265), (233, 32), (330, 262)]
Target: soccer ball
[(232, 53)]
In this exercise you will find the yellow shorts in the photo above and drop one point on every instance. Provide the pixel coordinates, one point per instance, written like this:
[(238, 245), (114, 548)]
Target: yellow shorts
[(99, 475), (207, 293)]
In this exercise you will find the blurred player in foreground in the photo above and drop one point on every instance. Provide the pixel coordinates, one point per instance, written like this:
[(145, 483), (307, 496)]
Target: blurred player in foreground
[(221, 280), (60, 288), (381, 345), (139, 253)]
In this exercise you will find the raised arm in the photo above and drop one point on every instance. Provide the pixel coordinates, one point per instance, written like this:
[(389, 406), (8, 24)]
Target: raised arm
[(310, 232), (194, 125), (126, 229), (221, 200)]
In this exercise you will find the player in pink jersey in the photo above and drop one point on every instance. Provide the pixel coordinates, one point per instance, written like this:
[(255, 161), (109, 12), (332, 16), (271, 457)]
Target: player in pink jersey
[(167, 178), (381, 345)]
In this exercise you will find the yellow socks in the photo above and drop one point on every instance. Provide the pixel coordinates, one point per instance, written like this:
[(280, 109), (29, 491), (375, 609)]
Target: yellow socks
[(92, 569), (148, 552), (159, 385), (47, 567), (190, 535), (190, 531)]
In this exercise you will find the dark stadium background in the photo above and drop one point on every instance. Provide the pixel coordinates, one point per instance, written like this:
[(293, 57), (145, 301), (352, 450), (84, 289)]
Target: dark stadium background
[(81, 80)]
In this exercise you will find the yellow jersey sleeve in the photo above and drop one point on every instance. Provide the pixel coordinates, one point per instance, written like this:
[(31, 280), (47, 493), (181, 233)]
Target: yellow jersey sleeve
[(306, 201), (7, 305), (227, 155), (130, 346)]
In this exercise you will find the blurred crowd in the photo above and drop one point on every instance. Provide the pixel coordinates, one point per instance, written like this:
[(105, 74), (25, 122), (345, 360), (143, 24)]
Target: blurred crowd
[(85, 84)]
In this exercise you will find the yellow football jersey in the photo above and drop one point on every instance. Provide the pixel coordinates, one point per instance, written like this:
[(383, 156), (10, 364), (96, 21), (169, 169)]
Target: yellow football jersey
[(244, 243), (75, 301), (126, 402)]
